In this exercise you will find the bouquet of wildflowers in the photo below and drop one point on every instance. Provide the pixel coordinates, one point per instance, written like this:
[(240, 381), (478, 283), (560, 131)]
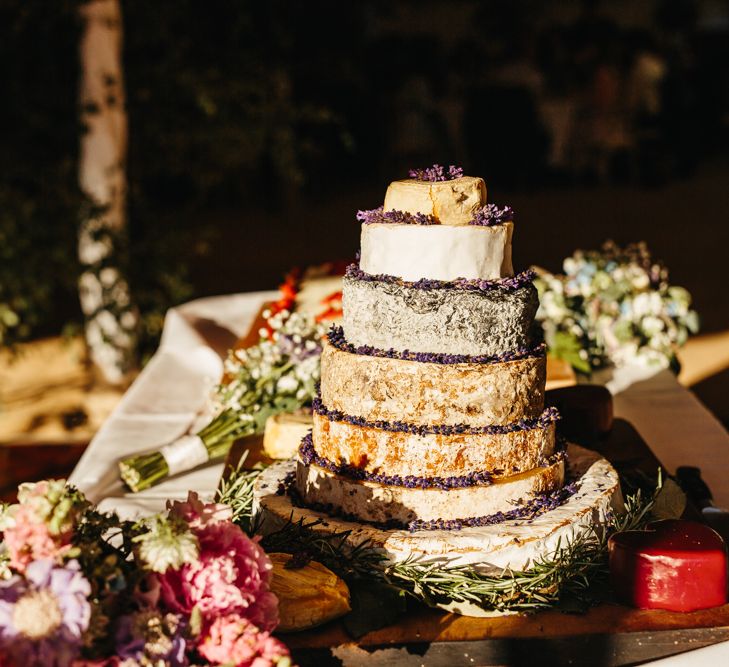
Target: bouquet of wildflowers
[(78, 587), (279, 374), (614, 306)]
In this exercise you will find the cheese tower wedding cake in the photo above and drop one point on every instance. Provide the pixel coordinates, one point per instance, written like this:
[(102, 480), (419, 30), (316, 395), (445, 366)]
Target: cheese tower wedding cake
[(430, 433)]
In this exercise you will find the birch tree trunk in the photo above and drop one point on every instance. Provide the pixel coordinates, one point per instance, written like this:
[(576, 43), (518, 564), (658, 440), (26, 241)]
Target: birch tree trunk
[(111, 319)]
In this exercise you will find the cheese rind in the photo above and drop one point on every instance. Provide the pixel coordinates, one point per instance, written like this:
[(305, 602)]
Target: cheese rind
[(382, 388), (381, 504), (430, 454), (452, 202), (450, 320), (437, 252), (513, 544)]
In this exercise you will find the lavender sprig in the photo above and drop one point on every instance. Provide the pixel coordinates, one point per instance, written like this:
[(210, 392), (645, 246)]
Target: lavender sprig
[(337, 339), (530, 510), (309, 455), (436, 173), (382, 217), (473, 285), (547, 417), (491, 215)]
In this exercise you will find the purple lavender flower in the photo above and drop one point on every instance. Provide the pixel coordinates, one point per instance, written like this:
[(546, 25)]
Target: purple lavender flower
[(152, 637), (491, 214), (382, 217), (309, 455), (436, 173), (471, 285), (44, 614), (550, 414), (337, 339)]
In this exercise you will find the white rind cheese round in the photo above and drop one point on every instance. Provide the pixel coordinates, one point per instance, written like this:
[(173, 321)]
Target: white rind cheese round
[(513, 544), (452, 202), (431, 454), (437, 252), (416, 392), (379, 503)]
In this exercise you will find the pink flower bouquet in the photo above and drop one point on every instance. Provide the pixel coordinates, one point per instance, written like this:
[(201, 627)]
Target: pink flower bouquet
[(82, 588)]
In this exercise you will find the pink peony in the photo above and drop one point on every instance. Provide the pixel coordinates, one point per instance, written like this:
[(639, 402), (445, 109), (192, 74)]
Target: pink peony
[(231, 575), (199, 514), (233, 639), (28, 539)]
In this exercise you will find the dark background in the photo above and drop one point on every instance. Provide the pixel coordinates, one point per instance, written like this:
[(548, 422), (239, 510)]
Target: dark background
[(258, 128)]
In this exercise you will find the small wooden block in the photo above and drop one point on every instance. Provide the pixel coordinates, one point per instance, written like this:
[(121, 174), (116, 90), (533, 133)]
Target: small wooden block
[(586, 409)]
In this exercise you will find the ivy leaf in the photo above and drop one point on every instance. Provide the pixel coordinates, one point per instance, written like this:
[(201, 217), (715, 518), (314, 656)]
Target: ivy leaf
[(670, 501), (375, 605)]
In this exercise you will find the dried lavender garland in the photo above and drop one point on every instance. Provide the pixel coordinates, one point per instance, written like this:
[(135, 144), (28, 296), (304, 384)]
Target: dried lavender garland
[(527, 512), (353, 272), (436, 173), (309, 455), (538, 505), (491, 215), (550, 415), (337, 339), (382, 217)]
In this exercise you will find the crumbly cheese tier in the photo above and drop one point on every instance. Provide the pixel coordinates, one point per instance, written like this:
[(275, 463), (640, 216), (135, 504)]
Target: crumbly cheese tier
[(447, 320), (384, 504), (452, 202), (391, 389), (512, 544), (379, 451), (437, 252)]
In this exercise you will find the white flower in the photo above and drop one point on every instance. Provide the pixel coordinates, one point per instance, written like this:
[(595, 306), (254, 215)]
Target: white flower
[(651, 325), (287, 384), (168, 543)]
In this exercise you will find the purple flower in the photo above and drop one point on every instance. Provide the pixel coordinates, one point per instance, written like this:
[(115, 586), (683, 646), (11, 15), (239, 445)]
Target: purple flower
[(471, 285), (550, 414), (153, 637), (309, 455), (436, 173), (44, 614), (337, 339), (492, 215), (382, 217)]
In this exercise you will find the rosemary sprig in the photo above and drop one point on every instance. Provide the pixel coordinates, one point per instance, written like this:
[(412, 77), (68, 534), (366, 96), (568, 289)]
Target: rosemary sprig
[(574, 575), (575, 572), (330, 549), (236, 491), (570, 572)]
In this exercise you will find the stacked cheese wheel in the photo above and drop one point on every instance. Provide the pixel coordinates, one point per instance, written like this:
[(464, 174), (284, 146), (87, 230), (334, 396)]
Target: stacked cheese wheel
[(432, 397)]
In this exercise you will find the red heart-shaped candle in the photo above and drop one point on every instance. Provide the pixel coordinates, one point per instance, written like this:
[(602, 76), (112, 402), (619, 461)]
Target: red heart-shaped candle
[(673, 564)]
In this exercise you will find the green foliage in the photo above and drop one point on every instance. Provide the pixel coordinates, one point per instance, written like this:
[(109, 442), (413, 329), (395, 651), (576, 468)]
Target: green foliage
[(215, 116), (39, 200), (214, 120)]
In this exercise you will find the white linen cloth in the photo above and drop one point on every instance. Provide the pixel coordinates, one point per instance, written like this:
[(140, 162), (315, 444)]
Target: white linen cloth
[(168, 399)]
